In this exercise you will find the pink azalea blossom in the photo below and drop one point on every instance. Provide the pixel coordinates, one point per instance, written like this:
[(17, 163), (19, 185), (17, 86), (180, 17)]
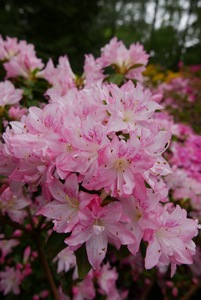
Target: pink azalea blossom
[(22, 60), (9, 95), (85, 289), (65, 260), (170, 239), (8, 48), (107, 278), (119, 163), (97, 227), (7, 245), (13, 204), (10, 280), (67, 201), (62, 77), (130, 62), (130, 107), (92, 70), (15, 113)]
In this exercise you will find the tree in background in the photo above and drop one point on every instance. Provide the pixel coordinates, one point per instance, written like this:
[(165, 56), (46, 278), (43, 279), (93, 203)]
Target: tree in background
[(170, 30)]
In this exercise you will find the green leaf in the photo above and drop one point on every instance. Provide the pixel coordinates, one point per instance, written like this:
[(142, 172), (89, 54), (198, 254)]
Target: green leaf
[(8, 231), (122, 253), (55, 243), (115, 78), (82, 262), (143, 249), (109, 70)]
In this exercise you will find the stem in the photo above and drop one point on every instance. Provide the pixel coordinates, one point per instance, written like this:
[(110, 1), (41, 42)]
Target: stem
[(36, 236), (147, 290), (41, 253), (40, 223), (46, 268), (192, 291)]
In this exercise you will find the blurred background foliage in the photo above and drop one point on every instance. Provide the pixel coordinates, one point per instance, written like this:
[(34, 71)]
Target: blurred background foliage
[(170, 30)]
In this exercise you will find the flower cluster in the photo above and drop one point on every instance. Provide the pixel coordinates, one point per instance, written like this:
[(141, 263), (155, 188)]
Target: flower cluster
[(89, 162)]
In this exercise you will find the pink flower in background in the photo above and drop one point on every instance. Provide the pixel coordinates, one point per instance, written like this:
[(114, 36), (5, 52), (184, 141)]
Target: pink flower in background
[(6, 246), (61, 77), (92, 70), (8, 48), (9, 95), (84, 289), (130, 62), (13, 204), (10, 280), (107, 278), (20, 58), (16, 113), (65, 260)]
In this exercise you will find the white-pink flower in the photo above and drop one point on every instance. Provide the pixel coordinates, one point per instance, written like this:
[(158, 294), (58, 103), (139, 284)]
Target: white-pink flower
[(20, 58), (169, 239), (65, 260), (129, 62), (9, 95), (10, 280), (13, 204), (98, 227)]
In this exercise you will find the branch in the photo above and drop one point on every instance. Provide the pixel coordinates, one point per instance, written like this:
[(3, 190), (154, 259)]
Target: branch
[(41, 253), (46, 268), (192, 291), (147, 289)]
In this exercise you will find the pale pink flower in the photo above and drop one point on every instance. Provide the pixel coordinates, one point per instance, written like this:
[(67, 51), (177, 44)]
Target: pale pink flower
[(129, 62), (97, 227), (106, 278), (85, 289), (65, 260), (10, 280), (15, 113), (8, 48), (24, 62), (7, 245), (169, 239), (67, 201), (9, 95), (138, 210), (61, 77), (119, 163), (92, 70), (13, 204), (130, 107), (84, 142)]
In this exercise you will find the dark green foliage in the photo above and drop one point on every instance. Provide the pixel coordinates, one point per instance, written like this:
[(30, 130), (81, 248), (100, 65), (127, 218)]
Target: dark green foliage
[(76, 27), (55, 244), (82, 262)]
